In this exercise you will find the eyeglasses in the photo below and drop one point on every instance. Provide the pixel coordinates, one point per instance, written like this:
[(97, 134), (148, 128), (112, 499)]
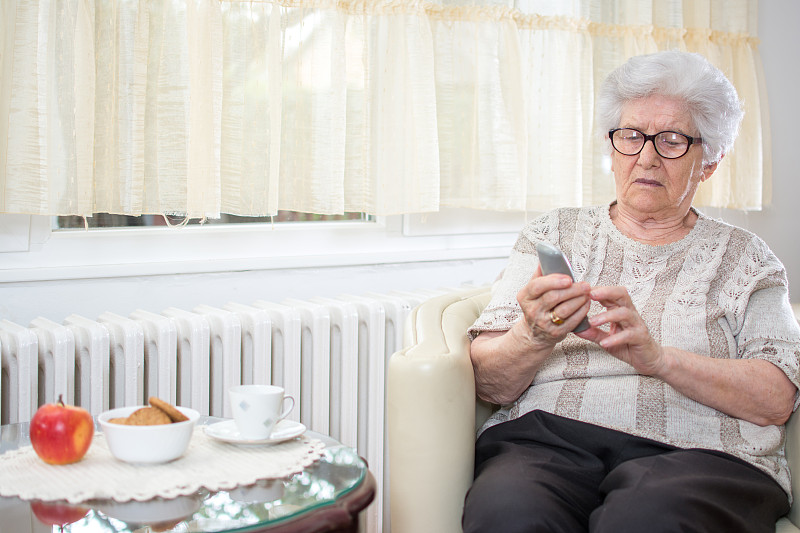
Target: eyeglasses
[(668, 144)]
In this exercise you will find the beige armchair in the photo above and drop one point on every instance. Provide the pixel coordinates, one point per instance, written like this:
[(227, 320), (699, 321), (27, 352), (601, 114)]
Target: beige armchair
[(433, 415)]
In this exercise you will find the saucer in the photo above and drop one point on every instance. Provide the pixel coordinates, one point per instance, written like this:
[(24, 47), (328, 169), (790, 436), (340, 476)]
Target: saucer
[(227, 431)]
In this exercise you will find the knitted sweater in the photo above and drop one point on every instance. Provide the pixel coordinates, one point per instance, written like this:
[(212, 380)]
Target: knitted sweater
[(719, 292)]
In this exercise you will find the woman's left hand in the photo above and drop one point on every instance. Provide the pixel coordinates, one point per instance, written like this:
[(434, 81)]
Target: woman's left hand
[(628, 337), (750, 389)]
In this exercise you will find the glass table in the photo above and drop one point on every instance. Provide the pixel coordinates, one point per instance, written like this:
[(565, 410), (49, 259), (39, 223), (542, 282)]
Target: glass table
[(327, 496)]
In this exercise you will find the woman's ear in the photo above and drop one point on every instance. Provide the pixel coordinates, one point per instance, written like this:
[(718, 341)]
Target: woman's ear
[(709, 168)]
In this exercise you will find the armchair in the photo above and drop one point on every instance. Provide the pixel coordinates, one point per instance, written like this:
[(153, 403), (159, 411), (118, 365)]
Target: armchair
[(433, 414)]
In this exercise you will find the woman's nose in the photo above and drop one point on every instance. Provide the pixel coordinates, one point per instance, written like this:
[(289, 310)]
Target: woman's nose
[(648, 156)]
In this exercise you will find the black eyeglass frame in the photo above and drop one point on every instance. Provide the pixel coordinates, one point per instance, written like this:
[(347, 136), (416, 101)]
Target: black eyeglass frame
[(652, 138)]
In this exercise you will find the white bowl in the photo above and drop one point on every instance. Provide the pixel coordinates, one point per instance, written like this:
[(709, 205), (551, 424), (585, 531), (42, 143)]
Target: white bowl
[(147, 444)]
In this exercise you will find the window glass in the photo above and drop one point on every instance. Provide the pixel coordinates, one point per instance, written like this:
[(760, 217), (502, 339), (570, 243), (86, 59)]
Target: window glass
[(105, 220)]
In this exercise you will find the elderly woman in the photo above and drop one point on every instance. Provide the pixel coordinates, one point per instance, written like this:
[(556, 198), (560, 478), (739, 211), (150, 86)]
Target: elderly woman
[(667, 413)]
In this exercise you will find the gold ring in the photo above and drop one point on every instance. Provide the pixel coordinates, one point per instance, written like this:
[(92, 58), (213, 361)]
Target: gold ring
[(555, 319)]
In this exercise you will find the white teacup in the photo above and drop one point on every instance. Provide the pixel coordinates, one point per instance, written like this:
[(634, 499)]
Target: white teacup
[(257, 408)]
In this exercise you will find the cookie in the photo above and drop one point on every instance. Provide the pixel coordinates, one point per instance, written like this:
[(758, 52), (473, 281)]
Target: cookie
[(120, 420), (148, 416), (174, 414)]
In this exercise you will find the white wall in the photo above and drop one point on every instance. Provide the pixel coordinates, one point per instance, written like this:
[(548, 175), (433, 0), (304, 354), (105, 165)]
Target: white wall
[(21, 301), (779, 223)]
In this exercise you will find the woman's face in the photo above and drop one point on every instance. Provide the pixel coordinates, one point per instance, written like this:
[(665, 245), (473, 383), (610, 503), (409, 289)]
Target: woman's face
[(647, 184)]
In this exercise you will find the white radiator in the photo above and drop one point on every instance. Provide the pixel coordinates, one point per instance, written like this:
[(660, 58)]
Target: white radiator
[(330, 354)]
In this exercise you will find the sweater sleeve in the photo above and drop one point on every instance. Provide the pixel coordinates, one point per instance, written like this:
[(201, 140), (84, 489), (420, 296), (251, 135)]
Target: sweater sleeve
[(765, 325), (771, 332), (503, 309)]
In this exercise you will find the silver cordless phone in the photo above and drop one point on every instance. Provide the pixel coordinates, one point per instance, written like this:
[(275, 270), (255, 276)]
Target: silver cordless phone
[(554, 261)]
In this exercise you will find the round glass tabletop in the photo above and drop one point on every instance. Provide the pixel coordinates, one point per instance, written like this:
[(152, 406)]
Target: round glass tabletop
[(267, 504)]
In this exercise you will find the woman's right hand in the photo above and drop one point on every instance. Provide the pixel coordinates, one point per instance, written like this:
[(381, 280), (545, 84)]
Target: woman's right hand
[(552, 306), (506, 362)]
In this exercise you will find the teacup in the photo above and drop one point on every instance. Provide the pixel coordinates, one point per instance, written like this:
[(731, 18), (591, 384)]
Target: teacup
[(257, 408)]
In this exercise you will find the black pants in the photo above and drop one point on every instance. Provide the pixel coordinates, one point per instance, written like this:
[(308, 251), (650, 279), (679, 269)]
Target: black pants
[(545, 473)]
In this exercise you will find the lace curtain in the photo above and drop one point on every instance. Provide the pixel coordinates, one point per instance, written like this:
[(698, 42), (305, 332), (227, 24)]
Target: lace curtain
[(198, 107)]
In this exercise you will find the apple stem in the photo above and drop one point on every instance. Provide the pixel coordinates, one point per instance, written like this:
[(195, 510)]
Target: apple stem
[(61, 400)]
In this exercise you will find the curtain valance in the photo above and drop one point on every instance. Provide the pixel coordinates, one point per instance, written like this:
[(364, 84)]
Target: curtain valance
[(201, 107)]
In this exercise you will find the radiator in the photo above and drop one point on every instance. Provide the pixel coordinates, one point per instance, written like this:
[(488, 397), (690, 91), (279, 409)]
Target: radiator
[(330, 354)]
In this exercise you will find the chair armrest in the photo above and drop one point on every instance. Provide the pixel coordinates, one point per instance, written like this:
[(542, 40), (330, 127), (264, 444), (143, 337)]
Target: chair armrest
[(793, 458), (793, 452), (431, 415)]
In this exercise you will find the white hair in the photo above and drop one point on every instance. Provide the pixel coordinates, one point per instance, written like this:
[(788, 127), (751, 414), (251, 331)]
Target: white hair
[(709, 96)]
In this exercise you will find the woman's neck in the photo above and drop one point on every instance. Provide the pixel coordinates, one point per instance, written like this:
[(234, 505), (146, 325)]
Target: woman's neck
[(652, 230)]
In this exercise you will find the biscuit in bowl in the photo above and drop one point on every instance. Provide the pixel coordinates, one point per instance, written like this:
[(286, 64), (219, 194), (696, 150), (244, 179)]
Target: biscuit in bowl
[(171, 411), (147, 444), (159, 412), (148, 416)]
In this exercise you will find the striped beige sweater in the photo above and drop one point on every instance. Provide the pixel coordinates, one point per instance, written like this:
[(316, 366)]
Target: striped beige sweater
[(719, 292)]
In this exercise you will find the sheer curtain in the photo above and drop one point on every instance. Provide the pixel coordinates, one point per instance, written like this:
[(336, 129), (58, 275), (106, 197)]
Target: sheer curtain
[(201, 107)]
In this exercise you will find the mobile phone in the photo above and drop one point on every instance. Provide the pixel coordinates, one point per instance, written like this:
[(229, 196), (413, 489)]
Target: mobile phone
[(553, 261)]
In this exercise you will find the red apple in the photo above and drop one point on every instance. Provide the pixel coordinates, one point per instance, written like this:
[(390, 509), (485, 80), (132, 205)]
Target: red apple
[(58, 514), (61, 434)]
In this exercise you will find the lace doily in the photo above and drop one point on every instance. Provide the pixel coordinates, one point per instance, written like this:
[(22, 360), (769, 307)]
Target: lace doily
[(99, 475)]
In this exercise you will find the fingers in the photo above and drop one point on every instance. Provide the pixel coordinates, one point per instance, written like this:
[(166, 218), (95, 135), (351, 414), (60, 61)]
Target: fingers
[(620, 337), (568, 309), (612, 296), (553, 306), (571, 312), (552, 289), (560, 296), (539, 286), (628, 337), (619, 313), (624, 317), (619, 308)]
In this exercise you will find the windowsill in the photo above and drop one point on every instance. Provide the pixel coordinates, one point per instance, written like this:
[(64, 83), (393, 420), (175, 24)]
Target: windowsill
[(106, 253)]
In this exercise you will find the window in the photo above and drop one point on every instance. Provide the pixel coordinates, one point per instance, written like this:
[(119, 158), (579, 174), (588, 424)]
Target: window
[(105, 220), (33, 251)]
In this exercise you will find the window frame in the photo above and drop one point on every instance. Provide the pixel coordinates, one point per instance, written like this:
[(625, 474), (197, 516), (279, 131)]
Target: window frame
[(30, 250)]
